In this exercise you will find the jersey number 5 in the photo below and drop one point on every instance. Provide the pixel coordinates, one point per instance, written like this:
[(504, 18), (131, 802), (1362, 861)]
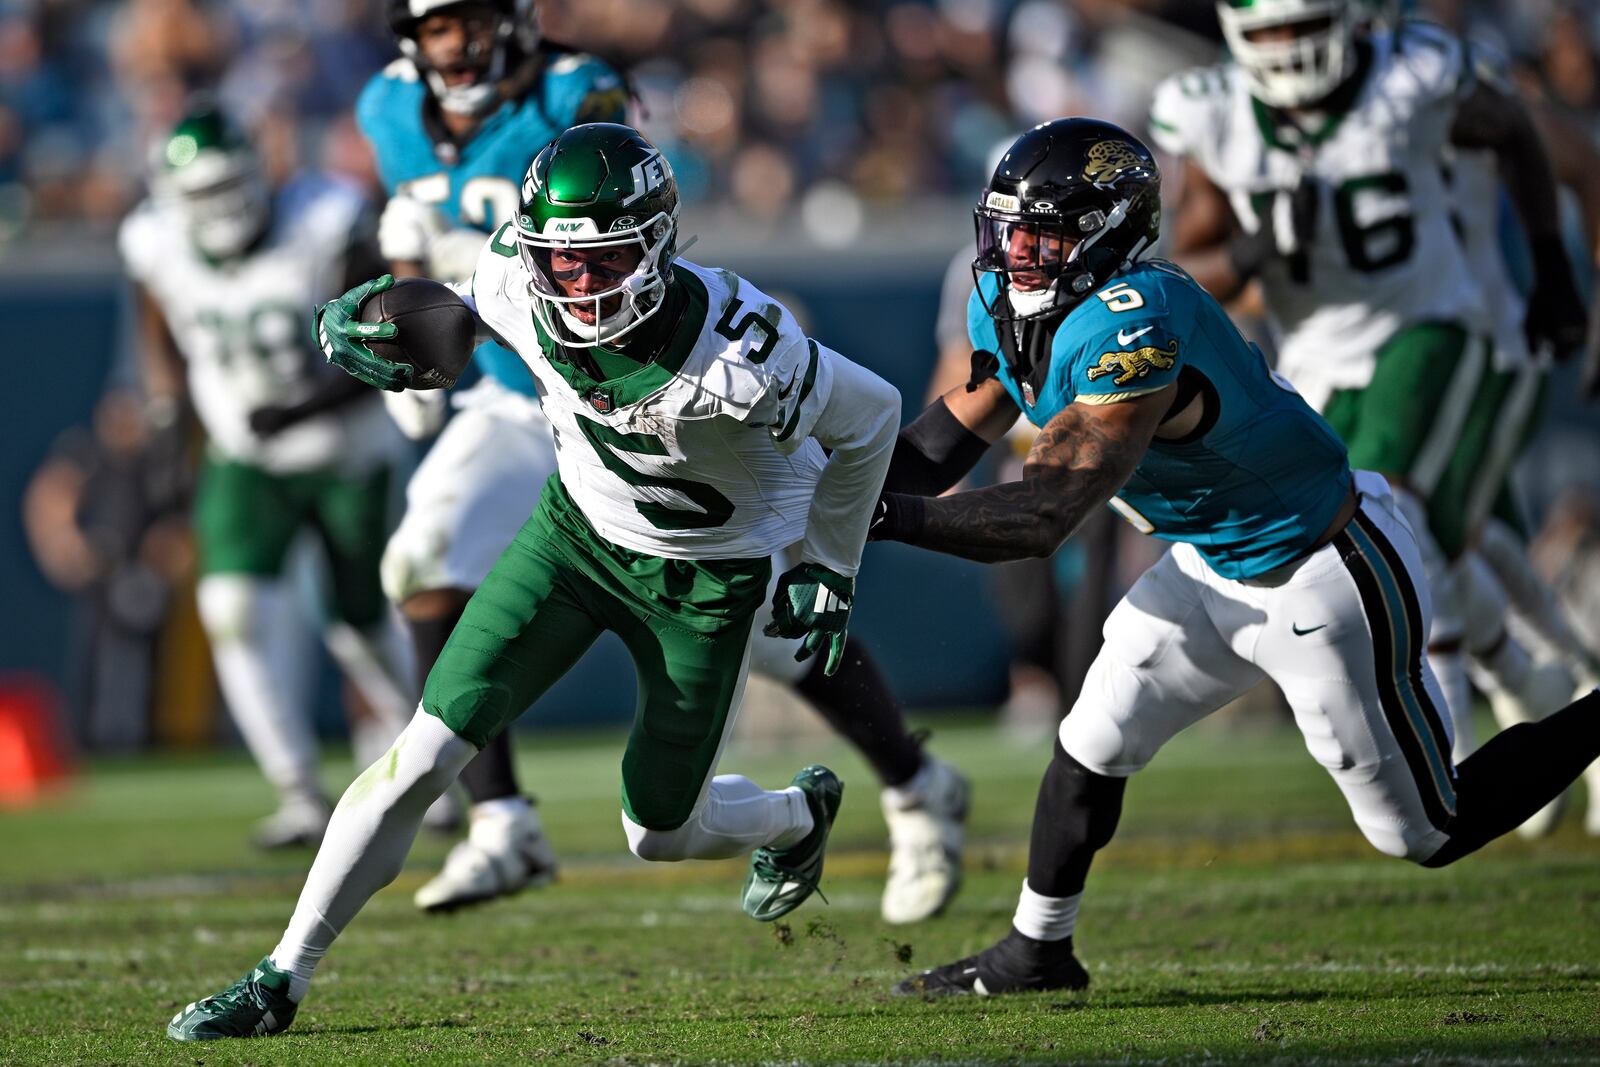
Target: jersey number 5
[(715, 509), (727, 328), (1121, 297)]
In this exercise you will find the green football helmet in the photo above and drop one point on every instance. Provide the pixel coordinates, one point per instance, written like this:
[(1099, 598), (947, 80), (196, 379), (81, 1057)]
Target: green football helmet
[(209, 170), (596, 187), (1302, 68)]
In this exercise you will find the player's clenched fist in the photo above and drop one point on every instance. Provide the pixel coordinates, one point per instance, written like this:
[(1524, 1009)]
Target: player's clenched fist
[(343, 337), (813, 602)]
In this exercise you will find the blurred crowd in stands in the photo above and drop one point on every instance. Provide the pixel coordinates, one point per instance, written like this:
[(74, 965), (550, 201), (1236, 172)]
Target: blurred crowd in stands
[(763, 103)]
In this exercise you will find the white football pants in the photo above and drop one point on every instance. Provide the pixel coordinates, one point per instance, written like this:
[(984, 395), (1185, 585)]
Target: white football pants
[(1342, 632)]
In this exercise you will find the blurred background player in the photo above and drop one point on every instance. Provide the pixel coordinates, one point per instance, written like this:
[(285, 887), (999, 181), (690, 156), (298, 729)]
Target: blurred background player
[(106, 516), (1496, 580), (227, 270), (1324, 141), (452, 146)]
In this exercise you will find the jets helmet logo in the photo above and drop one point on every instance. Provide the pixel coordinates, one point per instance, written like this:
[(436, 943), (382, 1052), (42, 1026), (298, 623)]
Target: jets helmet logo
[(1108, 159), (649, 175), (530, 183)]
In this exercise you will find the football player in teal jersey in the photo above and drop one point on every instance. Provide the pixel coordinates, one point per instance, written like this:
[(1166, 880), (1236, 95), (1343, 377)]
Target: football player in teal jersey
[(1284, 564)]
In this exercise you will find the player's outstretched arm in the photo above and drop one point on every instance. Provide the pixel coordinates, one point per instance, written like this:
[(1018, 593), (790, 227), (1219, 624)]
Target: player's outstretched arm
[(944, 443), (1491, 118), (1081, 457)]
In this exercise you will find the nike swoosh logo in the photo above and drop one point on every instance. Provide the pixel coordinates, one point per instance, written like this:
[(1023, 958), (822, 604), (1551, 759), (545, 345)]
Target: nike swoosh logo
[(1126, 338), (1301, 633)]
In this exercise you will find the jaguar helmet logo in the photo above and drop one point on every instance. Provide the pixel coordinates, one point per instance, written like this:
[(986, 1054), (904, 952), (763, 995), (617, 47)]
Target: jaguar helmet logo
[(1108, 159)]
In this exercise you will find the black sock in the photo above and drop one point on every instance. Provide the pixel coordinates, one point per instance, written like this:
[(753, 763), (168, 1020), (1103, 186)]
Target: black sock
[(490, 775), (1074, 818), (1517, 772), (857, 703), (427, 639)]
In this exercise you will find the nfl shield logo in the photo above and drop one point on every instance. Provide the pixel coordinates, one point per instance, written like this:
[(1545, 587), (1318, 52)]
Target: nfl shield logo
[(600, 400)]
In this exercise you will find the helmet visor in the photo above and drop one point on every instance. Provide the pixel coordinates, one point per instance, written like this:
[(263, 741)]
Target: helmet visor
[(590, 276), (1026, 253)]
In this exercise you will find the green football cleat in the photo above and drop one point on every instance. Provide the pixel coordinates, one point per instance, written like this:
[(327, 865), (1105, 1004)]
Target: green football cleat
[(780, 879), (256, 1005)]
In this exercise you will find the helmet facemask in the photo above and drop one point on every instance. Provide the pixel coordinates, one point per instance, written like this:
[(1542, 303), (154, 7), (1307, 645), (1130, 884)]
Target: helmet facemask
[(1298, 71), (1045, 265), (481, 96), (222, 197), (634, 295)]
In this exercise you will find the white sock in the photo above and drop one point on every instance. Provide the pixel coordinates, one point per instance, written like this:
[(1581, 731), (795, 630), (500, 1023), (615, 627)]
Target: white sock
[(1045, 918), (1530, 597), (913, 791), (367, 840), (255, 635), (736, 817), (502, 809)]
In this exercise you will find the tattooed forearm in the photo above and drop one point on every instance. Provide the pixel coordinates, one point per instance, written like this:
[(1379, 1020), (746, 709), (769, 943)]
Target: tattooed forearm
[(1079, 460)]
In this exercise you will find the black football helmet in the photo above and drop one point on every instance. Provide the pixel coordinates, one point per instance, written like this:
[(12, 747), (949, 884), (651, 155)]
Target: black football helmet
[(1071, 203)]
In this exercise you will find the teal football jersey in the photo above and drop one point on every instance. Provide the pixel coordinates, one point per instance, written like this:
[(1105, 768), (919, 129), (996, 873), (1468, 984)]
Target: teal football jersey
[(478, 182), (1262, 476)]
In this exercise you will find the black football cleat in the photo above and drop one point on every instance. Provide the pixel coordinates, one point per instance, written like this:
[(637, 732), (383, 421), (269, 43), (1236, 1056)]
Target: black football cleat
[(1014, 964)]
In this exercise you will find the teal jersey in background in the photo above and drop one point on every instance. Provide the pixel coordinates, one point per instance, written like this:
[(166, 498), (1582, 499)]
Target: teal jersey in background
[(1259, 479), (478, 182)]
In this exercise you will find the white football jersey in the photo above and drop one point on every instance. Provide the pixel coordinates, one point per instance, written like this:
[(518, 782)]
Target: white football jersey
[(1476, 195), (1380, 253), (705, 453), (244, 327)]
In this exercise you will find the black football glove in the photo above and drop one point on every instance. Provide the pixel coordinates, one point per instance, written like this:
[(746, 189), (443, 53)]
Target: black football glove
[(270, 420), (1249, 253), (1556, 318)]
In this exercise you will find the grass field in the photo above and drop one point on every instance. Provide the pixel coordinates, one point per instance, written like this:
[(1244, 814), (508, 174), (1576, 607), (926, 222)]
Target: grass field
[(1238, 917)]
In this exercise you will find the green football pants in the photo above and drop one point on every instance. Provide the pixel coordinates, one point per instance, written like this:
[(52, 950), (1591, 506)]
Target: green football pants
[(1438, 417), (554, 590), (245, 518)]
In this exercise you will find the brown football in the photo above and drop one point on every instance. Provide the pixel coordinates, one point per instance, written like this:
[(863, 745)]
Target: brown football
[(435, 330)]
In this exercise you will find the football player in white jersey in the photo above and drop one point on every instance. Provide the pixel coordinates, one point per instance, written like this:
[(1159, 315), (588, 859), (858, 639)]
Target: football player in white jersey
[(1497, 575), (1313, 166), (227, 270), (479, 481), (698, 431)]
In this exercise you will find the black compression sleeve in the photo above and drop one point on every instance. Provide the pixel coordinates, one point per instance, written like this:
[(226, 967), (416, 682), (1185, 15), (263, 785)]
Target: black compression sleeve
[(933, 453)]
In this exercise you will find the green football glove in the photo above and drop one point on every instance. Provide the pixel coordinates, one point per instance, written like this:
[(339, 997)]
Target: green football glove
[(342, 335), (813, 602)]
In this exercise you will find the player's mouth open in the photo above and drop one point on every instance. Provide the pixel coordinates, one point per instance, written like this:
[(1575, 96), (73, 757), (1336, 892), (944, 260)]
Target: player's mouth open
[(464, 75)]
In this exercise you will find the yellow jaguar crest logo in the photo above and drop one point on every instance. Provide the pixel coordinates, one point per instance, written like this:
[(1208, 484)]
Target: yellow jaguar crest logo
[(1107, 159), (1136, 364)]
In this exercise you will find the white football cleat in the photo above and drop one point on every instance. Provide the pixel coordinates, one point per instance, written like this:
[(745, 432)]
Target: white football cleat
[(1548, 688), (300, 821), (926, 829), (503, 853)]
